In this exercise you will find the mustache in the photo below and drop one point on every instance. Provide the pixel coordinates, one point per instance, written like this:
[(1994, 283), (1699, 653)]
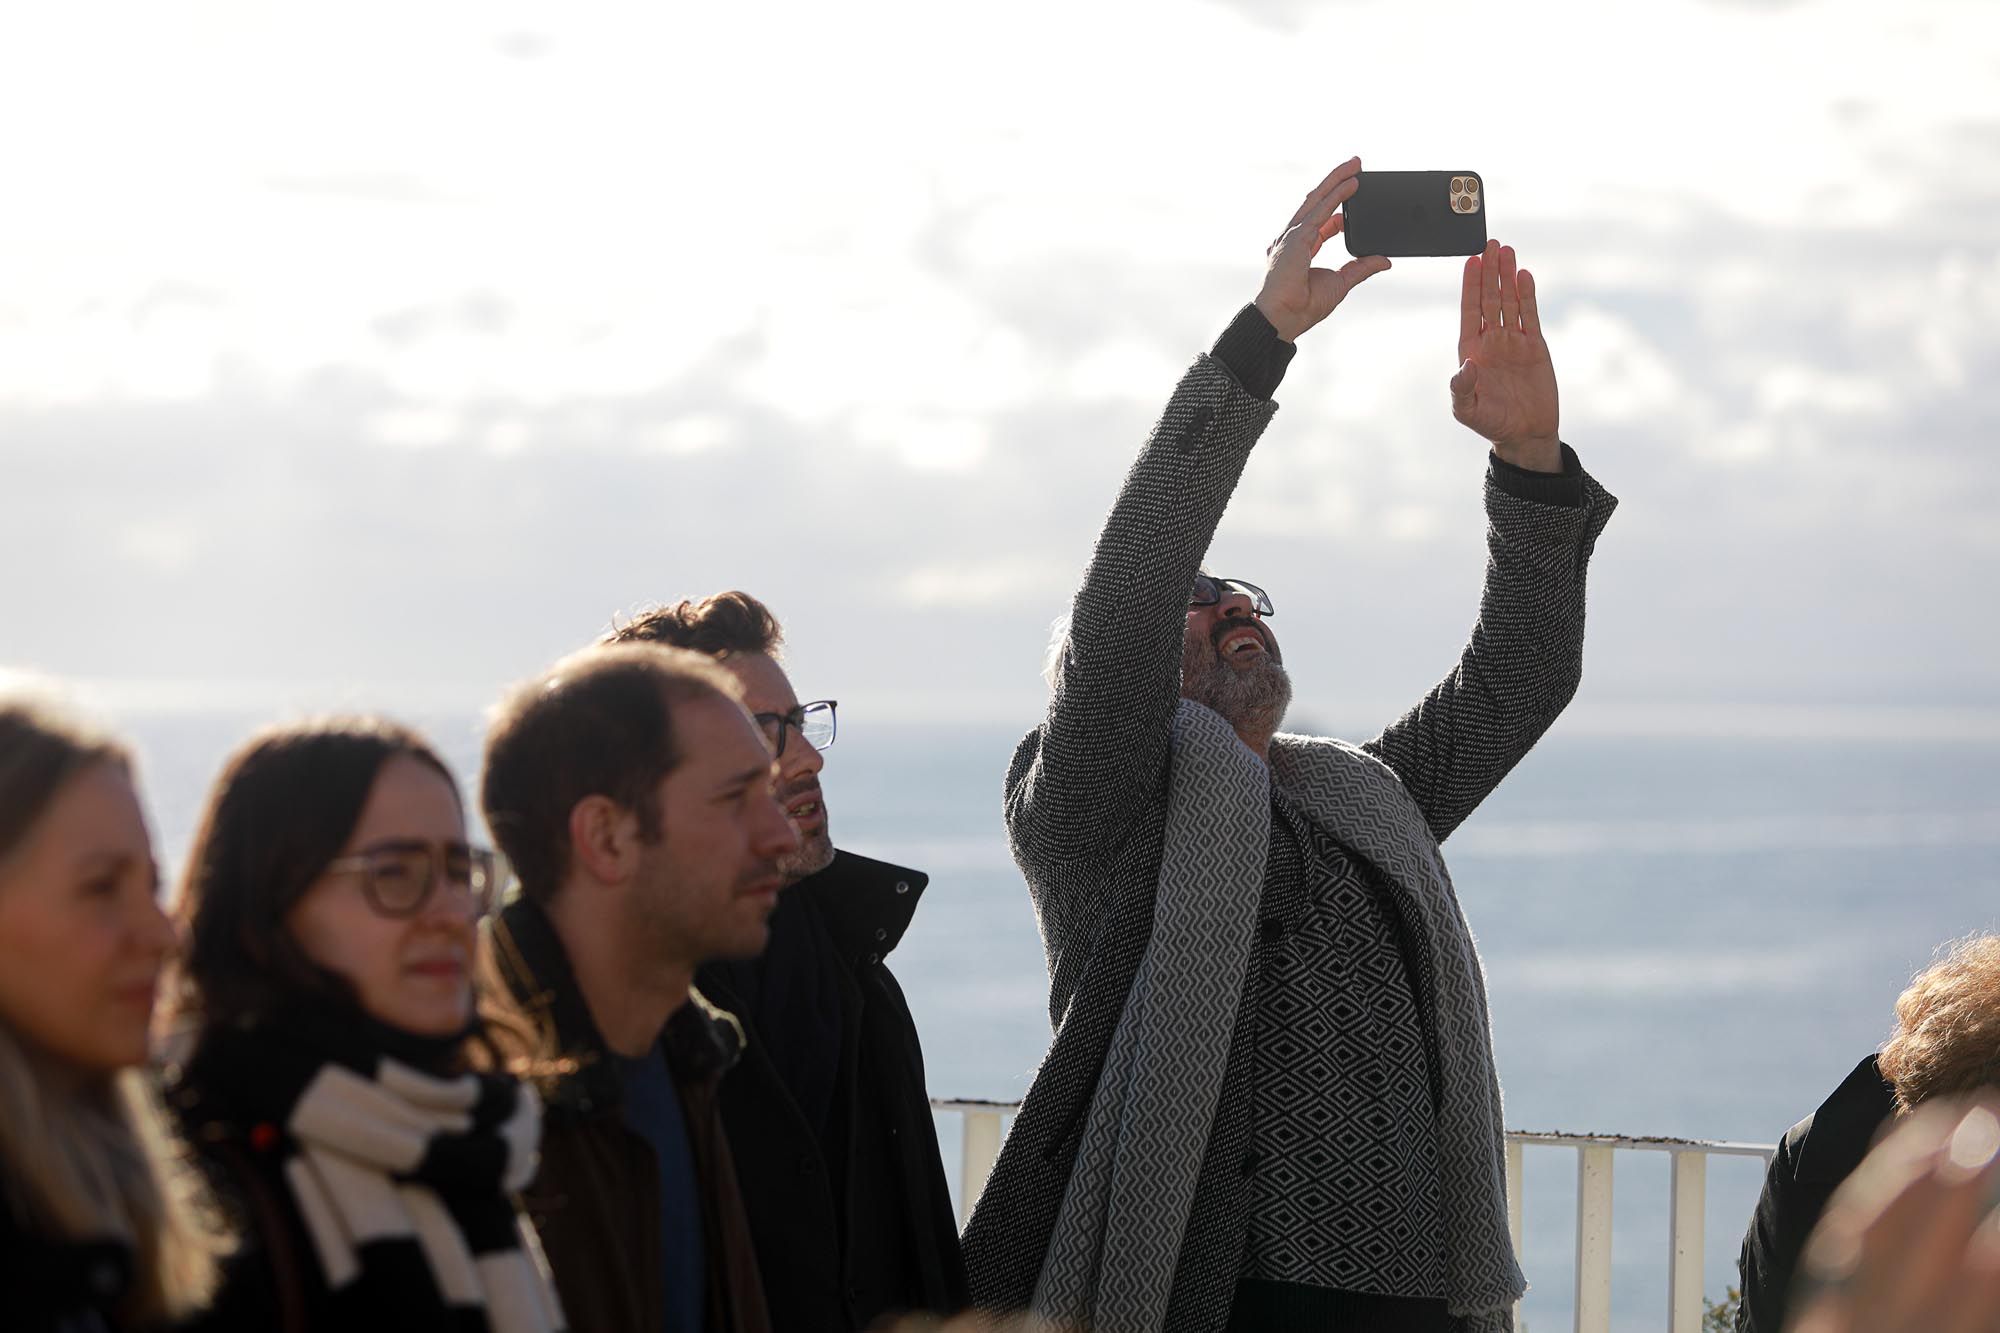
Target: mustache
[(1231, 626), (805, 783)]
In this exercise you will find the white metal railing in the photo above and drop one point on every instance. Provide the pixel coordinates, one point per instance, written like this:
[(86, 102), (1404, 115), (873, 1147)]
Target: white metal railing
[(982, 1121)]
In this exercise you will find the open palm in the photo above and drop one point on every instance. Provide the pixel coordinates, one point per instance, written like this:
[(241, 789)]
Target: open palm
[(1505, 387)]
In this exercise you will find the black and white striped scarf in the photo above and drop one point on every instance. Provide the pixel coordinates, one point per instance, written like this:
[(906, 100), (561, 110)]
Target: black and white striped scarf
[(404, 1178)]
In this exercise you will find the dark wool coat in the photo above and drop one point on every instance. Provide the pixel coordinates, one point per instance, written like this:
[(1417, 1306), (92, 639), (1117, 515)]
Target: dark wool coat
[(52, 1286), (1086, 810), (828, 1118), (595, 1202), (1816, 1155), (273, 1282)]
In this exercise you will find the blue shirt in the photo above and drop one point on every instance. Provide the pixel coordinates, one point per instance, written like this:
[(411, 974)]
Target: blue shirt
[(652, 1110)]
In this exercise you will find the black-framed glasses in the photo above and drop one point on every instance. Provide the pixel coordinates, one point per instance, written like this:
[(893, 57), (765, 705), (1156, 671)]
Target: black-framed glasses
[(1209, 590), (814, 721), (398, 881)]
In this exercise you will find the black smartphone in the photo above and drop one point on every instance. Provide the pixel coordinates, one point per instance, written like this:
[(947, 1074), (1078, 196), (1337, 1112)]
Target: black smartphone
[(1399, 213)]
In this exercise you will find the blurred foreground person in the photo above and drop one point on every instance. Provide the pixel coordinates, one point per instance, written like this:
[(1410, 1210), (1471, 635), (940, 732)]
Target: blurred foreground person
[(1270, 1103), (1909, 1243), (634, 797), (102, 1225), (827, 1114), (1946, 1044), (340, 1085)]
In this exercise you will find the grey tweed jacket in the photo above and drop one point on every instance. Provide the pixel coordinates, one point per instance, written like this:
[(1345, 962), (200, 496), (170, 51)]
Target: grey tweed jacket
[(1087, 812)]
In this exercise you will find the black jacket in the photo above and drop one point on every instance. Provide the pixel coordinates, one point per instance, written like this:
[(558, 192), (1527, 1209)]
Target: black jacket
[(272, 1283), (827, 1114), (53, 1286), (1816, 1155)]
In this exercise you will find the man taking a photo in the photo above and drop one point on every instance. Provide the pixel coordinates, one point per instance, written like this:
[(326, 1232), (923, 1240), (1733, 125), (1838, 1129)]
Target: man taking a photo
[(1270, 1103)]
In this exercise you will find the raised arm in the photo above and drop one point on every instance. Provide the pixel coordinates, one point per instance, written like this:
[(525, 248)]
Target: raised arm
[(1081, 777), (1525, 657)]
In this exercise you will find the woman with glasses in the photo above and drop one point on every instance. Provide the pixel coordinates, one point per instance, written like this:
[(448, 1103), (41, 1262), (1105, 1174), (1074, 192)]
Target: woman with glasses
[(101, 1226), (340, 1084)]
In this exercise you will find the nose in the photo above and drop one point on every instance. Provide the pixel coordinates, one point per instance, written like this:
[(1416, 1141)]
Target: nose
[(156, 934), (1236, 606), (450, 906), (773, 835), (800, 758)]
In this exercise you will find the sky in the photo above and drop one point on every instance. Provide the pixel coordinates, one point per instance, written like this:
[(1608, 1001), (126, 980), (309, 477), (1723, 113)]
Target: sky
[(377, 354)]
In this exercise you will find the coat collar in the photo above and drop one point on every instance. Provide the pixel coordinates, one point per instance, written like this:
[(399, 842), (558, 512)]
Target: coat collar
[(1837, 1135), (866, 904), (701, 1041)]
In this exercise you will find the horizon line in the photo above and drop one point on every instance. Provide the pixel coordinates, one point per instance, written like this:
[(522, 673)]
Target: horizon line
[(1695, 717)]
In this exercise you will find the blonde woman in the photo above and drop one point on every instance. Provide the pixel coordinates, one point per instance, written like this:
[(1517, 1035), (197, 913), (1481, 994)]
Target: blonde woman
[(101, 1223)]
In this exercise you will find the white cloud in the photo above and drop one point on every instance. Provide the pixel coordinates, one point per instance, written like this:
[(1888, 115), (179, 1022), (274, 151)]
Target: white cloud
[(1411, 523), (695, 433), (168, 544), (937, 272), (1783, 390), (1612, 373), (416, 427), (928, 442), (1125, 369), (988, 582)]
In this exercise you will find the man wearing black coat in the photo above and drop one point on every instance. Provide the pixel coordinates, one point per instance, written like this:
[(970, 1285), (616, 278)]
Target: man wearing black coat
[(827, 1114)]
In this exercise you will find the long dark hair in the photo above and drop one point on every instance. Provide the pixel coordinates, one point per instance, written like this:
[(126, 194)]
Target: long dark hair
[(285, 805)]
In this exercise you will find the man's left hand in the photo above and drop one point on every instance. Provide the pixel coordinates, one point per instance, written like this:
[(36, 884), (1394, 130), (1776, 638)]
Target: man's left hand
[(1505, 387)]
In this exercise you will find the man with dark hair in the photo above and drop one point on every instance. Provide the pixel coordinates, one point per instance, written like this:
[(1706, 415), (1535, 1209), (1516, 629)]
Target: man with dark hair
[(827, 1113), (634, 797), (1270, 1102)]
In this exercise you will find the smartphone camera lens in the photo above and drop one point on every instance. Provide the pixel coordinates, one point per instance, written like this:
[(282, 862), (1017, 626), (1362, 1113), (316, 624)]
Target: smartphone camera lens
[(1458, 185)]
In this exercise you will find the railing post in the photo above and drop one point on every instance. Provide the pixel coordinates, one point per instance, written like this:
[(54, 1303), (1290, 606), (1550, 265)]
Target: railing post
[(1684, 1259), (1593, 1238), (1596, 1156), (981, 1148), (1514, 1212)]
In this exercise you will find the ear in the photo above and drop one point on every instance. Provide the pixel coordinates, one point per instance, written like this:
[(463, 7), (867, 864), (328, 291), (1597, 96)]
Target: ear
[(604, 839)]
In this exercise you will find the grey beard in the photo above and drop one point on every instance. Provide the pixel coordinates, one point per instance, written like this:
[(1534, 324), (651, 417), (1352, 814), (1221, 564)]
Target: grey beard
[(1256, 698), (815, 854)]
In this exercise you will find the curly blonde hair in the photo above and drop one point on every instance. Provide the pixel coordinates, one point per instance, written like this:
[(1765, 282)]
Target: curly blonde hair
[(1947, 1037)]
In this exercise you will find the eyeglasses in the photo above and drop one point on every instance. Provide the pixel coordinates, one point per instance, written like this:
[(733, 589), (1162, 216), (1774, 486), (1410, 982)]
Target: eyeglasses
[(397, 881), (1208, 591), (814, 721)]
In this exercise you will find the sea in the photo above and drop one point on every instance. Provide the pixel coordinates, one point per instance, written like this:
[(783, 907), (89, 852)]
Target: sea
[(1683, 935)]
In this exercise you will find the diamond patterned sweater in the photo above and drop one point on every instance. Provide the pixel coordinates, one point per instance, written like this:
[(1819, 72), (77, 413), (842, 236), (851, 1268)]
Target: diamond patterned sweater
[(1343, 1143)]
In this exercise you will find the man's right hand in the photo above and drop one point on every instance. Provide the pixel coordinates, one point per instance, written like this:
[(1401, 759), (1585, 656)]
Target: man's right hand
[(1296, 295)]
